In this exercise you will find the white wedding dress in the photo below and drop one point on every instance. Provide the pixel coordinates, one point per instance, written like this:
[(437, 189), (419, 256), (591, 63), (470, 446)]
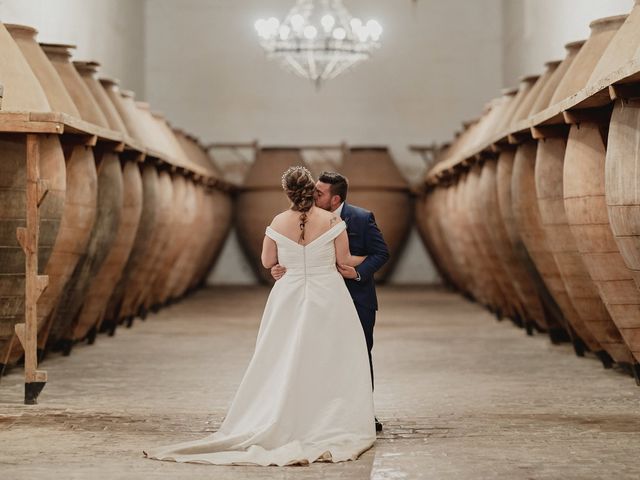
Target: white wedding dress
[(306, 394)]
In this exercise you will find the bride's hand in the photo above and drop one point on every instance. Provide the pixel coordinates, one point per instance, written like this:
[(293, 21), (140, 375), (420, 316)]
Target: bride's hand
[(278, 271), (347, 271)]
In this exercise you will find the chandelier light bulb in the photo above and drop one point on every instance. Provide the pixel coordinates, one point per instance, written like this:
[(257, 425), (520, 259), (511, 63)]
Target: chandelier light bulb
[(273, 24), (375, 29), (339, 33), (328, 22), (356, 24), (310, 32), (284, 32), (297, 22), (259, 25)]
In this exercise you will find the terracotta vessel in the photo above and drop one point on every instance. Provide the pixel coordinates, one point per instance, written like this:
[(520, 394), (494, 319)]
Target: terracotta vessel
[(578, 74), (105, 281), (540, 317), (87, 71), (142, 243), (21, 88), (580, 287), (586, 207), (546, 94), (60, 56), (13, 215), (55, 91), (527, 216), (108, 211), (623, 48), (525, 109)]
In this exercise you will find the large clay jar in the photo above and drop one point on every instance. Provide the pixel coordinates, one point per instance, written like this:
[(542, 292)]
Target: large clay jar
[(550, 87), (60, 56), (105, 281), (221, 217), (622, 187), (577, 75), (174, 192), (486, 287), (126, 107), (375, 183), (438, 207), (509, 117), (527, 215), (492, 265), (138, 286), (109, 207), (13, 183), (438, 203), (464, 244), (186, 246), (539, 316), (586, 207), (525, 108), (141, 245), (596, 327), (75, 229), (213, 221), (623, 48), (432, 238), (200, 253), (57, 94), (180, 238), (22, 92), (174, 149), (525, 301), (261, 199), (87, 71), (196, 153), (21, 89)]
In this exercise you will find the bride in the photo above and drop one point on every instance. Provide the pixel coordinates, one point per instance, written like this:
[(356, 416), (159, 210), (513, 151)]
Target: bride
[(306, 395)]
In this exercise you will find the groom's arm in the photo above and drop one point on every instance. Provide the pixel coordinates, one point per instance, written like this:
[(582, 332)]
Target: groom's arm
[(376, 250)]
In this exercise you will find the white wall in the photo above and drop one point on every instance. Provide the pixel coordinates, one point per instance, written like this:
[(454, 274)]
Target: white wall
[(439, 62), (535, 31), (109, 31)]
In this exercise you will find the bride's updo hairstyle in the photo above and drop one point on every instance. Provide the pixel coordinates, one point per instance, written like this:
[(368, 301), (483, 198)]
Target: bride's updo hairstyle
[(300, 187)]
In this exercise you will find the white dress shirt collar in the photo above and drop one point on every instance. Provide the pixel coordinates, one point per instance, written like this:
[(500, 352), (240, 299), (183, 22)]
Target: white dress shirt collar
[(338, 210)]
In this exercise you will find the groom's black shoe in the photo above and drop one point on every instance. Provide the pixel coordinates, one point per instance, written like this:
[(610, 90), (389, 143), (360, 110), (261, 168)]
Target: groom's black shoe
[(378, 425)]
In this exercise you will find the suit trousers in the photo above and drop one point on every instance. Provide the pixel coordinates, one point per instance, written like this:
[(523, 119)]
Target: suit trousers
[(368, 320)]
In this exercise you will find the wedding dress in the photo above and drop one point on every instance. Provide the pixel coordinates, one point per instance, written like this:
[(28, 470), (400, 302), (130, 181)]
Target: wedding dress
[(306, 394)]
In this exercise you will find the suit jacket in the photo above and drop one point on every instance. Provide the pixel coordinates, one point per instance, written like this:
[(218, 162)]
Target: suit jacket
[(365, 238)]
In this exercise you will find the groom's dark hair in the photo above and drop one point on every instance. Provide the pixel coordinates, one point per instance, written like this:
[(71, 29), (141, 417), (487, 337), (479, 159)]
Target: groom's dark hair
[(339, 185)]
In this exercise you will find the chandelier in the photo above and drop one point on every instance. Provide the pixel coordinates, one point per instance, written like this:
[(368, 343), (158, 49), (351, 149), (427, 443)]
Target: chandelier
[(318, 40)]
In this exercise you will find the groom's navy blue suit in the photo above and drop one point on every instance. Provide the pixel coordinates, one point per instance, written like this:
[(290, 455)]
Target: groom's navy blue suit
[(365, 238)]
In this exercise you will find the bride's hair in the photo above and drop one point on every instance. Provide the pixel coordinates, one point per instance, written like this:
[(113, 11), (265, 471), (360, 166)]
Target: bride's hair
[(300, 187)]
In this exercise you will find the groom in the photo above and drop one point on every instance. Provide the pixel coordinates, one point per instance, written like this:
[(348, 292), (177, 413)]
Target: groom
[(365, 238)]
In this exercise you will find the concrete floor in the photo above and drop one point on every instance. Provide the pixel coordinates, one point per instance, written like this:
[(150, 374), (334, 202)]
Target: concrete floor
[(461, 395)]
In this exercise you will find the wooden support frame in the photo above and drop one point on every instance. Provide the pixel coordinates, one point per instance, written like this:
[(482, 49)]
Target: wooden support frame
[(35, 284), (32, 125)]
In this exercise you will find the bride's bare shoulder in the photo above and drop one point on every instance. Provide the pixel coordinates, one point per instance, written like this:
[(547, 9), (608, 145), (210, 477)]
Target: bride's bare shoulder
[(280, 218)]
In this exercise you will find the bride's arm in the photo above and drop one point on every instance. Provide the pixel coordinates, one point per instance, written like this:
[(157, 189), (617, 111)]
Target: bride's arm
[(269, 255), (343, 257)]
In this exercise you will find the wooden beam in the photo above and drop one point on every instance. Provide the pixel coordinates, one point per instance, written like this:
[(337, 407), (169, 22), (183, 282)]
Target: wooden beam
[(624, 91), (35, 284), (549, 131), (589, 115)]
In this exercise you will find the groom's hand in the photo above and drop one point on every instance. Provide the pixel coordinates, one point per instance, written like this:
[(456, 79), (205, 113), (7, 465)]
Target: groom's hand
[(347, 272), (277, 271)]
